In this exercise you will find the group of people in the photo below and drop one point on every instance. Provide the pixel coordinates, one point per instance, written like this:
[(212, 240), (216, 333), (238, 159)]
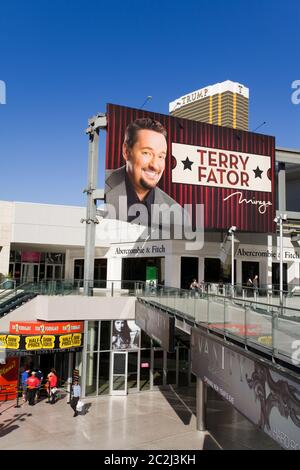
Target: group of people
[(195, 287), (32, 382)]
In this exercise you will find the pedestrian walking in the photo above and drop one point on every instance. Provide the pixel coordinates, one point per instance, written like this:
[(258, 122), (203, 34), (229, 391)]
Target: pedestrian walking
[(249, 285), (52, 379), (255, 283), (76, 392), (24, 378)]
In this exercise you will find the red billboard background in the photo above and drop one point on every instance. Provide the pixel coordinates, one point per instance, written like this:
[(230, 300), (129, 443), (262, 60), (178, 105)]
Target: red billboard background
[(218, 214)]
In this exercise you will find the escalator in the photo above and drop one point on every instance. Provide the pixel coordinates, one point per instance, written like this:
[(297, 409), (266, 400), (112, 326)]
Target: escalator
[(10, 299)]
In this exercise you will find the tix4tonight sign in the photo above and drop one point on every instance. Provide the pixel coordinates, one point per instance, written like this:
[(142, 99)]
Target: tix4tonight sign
[(53, 328), (229, 171)]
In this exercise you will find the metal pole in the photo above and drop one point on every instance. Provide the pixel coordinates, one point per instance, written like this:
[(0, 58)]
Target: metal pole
[(91, 208), (18, 384), (201, 400), (281, 260), (84, 358), (232, 263)]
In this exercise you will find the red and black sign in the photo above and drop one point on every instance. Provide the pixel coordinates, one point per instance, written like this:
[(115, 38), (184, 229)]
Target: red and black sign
[(230, 171), (38, 327), (9, 379)]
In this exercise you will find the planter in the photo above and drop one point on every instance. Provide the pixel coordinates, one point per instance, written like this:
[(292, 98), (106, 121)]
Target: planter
[(8, 284)]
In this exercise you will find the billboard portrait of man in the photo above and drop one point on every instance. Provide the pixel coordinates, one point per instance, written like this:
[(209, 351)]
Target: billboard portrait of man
[(207, 175), (144, 151)]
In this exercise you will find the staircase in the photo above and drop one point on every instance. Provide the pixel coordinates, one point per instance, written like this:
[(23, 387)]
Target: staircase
[(10, 299)]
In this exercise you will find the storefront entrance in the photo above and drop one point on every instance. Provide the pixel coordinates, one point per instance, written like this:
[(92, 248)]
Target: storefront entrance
[(276, 276), (189, 271), (54, 272), (249, 270), (30, 272), (133, 371), (212, 270), (134, 269), (124, 376)]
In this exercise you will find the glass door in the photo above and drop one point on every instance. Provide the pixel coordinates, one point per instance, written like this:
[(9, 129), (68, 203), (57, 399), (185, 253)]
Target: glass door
[(53, 272), (119, 373), (132, 372), (30, 272)]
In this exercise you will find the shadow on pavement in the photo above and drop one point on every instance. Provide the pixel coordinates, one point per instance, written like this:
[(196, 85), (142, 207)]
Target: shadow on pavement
[(178, 404), (8, 427)]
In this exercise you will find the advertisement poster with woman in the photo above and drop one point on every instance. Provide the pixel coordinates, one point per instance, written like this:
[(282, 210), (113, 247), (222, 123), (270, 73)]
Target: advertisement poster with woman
[(125, 335)]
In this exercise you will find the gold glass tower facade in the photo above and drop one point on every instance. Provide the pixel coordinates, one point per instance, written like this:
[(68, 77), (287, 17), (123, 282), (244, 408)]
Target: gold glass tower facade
[(224, 104)]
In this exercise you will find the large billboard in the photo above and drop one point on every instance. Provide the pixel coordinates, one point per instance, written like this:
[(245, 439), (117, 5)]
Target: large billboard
[(229, 171)]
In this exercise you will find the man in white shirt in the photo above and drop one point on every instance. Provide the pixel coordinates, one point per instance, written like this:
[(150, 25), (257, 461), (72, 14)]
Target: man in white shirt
[(76, 392)]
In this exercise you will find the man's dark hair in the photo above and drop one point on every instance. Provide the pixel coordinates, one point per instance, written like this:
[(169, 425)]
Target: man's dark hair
[(141, 124)]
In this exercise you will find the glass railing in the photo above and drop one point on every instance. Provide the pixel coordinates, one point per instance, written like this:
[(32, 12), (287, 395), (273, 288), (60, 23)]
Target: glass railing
[(74, 287), (271, 328), (253, 318)]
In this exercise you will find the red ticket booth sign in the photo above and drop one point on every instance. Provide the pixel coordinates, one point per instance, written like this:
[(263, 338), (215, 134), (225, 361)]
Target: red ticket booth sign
[(9, 379)]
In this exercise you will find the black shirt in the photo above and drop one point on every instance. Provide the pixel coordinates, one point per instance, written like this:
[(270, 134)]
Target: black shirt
[(132, 198)]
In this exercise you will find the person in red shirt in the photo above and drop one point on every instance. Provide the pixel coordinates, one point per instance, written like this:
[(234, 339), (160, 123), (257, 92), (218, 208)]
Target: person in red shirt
[(52, 378), (32, 386)]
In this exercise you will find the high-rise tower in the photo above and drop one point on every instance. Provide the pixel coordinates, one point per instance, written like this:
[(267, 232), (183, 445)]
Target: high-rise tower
[(224, 104)]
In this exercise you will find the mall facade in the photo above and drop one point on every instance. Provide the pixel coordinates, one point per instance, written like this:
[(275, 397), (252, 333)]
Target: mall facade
[(43, 243)]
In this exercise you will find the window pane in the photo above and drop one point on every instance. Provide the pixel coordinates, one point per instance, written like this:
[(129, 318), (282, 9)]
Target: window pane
[(145, 370), (91, 374), (171, 368), (132, 370), (105, 335), (158, 368), (92, 341), (103, 384), (119, 363)]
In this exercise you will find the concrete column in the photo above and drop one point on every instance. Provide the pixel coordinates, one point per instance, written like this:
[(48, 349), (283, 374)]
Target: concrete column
[(263, 267), (293, 273), (114, 272), (69, 269), (201, 401), (238, 271), (172, 271), (201, 270)]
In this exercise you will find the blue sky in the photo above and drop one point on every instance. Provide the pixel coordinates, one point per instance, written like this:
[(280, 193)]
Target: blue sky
[(62, 61)]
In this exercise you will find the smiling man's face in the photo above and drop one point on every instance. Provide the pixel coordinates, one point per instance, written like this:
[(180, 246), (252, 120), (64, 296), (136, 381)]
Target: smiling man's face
[(145, 161)]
